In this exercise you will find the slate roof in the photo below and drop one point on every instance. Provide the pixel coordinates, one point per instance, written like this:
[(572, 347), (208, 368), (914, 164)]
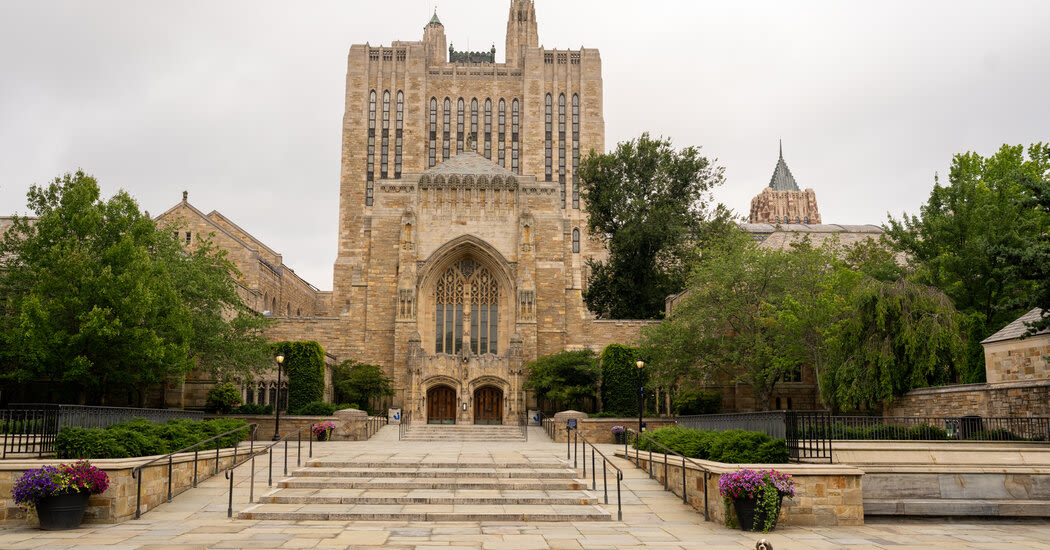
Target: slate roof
[(434, 20), (469, 162), (1017, 328), (782, 179)]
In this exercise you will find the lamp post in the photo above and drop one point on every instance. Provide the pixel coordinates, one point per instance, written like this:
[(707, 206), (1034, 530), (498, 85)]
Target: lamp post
[(277, 405), (641, 393)]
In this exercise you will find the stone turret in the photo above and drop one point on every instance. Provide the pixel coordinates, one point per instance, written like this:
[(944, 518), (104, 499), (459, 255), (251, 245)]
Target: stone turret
[(521, 31), (434, 41), (783, 201)]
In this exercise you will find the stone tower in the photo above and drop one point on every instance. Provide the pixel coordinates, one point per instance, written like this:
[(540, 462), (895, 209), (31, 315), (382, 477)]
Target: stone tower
[(434, 41), (521, 31), (782, 201)]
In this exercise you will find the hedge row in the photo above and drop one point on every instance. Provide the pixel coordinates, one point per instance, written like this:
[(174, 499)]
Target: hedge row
[(731, 446), (144, 438)]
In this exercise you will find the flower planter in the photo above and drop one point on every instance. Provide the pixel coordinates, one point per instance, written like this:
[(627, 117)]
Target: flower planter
[(751, 517), (61, 512), (323, 436)]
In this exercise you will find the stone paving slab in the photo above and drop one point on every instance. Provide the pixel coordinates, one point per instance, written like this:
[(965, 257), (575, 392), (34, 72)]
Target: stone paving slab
[(197, 520)]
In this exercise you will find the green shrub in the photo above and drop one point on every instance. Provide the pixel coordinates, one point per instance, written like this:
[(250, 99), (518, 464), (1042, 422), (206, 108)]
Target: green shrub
[(316, 408), (732, 446), (995, 435), (605, 414), (304, 363), (620, 380), (143, 438), (253, 408), (697, 402), (222, 398)]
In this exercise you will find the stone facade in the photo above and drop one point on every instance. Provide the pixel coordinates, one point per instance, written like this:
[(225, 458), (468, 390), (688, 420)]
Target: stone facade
[(783, 201), (1028, 398)]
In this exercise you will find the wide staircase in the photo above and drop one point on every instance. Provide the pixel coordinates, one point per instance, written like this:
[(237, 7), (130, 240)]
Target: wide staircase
[(462, 432), (530, 489)]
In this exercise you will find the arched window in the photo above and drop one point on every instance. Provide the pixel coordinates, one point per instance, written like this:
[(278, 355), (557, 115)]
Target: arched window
[(261, 394), (514, 136), (467, 291), (778, 219), (459, 125), (371, 162), (488, 129), (561, 146), (474, 124), (266, 303), (288, 308), (384, 150), (433, 131), (298, 312), (548, 148), (805, 220), (797, 220), (445, 138), (399, 124), (575, 241), (249, 395), (273, 305), (501, 136), (575, 150)]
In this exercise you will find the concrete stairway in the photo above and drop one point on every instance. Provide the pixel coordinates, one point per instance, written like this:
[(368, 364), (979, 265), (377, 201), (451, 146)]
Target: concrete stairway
[(339, 489), (462, 432)]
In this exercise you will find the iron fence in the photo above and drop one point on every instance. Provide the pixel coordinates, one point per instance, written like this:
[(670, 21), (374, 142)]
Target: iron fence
[(31, 428), (799, 429), (959, 428), (771, 423)]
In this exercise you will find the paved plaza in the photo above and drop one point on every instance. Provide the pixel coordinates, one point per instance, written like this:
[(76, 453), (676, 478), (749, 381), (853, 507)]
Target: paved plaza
[(197, 518)]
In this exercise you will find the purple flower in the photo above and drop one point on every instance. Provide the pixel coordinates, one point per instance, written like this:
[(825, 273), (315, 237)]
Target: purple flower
[(617, 430), (748, 483), (47, 481)]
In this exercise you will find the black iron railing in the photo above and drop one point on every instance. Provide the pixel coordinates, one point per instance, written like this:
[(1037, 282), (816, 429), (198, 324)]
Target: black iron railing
[(668, 452), (374, 423), (926, 428), (523, 425), (31, 428), (771, 423), (576, 438), (799, 429), (402, 429), (548, 425)]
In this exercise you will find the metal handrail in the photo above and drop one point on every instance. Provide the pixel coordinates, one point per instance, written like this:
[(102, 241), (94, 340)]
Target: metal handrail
[(136, 472), (605, 462), (298, 435), (523, 424), (701, 467), (402, 428), (550, 427), (373, 425)]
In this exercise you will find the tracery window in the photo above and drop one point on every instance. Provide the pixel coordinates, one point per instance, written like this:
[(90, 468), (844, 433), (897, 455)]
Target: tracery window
[(433, 131), (474, 124), (447, 123), (371, 161), (548, 149), (575, 241), (398, 127), (466, 290), (561, 146), (384, 156), (575, 151), (514, 136), (488, 129), (459, 125), (501, 138)]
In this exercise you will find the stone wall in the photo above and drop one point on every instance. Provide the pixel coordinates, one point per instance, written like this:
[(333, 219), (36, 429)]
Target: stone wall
[(1017, 359), (117, 504), (599, 430), (825, 495), (1030, 398)]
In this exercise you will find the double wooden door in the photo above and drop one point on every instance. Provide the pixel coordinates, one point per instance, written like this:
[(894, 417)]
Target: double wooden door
[(441, 405), (488, 406)]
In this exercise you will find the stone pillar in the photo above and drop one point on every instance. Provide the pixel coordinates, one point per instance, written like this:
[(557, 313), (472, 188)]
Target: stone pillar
[(350, 425), (560, 420)]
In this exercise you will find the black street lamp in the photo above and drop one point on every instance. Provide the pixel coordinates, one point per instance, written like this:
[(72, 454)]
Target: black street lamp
[(641, 393), (277, 405)]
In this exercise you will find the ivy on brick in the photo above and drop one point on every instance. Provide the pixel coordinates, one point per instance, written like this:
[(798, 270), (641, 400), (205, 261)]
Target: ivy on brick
[(304, 365), (620, 380)]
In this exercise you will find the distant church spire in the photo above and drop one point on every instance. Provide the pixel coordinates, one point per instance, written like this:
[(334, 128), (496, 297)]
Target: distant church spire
[(782, 179)]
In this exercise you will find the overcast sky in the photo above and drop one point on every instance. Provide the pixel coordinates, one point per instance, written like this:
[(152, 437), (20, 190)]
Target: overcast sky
[(240, 103)]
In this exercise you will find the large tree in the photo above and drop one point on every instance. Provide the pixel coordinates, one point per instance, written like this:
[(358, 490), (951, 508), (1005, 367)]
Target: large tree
[(96, 296), (647, 202), (1033, 260), (957, 241), (566, 378)]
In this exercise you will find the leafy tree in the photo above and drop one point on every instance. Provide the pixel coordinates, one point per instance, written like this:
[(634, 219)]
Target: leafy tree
[(223, 398), (357, 382), (621, 380), (1034, 260), (647, 202), (898, 336), (96, 297), (569, 378), (304, 366), (958, 239)]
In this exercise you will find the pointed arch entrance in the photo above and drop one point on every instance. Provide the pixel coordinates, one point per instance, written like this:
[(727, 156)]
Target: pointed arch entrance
[(488, 405), (441, 405)]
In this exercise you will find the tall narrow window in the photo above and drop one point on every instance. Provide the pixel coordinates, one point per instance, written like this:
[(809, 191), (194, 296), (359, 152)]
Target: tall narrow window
[(474, 124), (575, 240), (433, 131), (484, 312), (514, 136), (385, 148), (371, 162), (459, 125), (488, 129), (501, 136), (445, 138), (575, 151), (561, 146), (548, 149), (399, 125)]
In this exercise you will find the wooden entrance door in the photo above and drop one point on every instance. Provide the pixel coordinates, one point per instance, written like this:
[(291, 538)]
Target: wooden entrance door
[(441, 405), (488, 405)]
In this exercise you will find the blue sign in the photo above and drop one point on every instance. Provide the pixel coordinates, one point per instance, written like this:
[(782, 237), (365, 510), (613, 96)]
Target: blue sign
[(572, 423), (397, 415), (536, 417)]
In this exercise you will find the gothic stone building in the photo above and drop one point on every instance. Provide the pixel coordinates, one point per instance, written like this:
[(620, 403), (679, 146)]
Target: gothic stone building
[(462, 242), (783, 201)]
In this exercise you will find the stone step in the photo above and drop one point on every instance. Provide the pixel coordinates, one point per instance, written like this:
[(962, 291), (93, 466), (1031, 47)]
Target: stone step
[(956, 507), (441, 473), (426, 496), (425, 512), (457, 439), (372, 482), (327, 463)]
